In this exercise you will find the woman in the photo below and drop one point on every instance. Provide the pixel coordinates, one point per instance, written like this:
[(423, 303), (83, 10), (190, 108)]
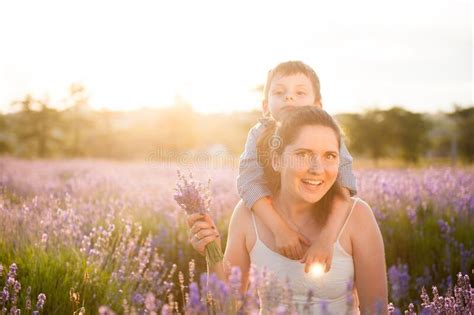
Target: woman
[(302, 168)]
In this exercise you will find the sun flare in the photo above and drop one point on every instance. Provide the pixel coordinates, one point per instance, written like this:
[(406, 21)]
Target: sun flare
[(317, 269)]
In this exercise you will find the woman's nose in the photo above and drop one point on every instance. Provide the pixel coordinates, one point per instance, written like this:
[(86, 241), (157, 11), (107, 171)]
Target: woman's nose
[(316, 165)]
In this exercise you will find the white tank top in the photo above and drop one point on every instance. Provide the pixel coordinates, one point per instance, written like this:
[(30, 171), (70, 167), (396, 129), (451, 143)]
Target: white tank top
[(332, 291)]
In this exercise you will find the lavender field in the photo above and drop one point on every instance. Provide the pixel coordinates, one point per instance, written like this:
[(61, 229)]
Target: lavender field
[(93, 236)]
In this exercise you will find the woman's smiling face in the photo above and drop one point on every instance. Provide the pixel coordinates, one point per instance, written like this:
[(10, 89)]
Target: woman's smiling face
[(309, 165)]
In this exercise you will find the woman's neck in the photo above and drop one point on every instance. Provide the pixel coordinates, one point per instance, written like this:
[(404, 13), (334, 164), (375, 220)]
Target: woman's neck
[(298, 211)]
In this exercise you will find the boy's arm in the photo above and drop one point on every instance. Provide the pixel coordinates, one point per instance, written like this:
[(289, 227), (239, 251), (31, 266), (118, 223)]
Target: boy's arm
[(251, 183), (253, 190), (322, 251), (287, 241), (346, 175)]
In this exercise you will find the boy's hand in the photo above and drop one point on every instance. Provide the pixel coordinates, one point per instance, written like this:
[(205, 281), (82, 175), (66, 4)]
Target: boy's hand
[(318, 253), (290, 243)]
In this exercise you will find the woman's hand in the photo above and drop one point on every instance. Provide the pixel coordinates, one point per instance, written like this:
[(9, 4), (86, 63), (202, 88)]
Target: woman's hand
[(202, 231)]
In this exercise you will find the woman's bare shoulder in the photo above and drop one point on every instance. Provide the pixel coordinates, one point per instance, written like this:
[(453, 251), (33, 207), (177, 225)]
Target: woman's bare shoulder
[(362, 206), (362, 215), (241, 213)]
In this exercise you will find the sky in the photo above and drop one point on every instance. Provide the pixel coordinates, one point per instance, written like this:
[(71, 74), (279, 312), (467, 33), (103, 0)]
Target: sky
[(212, 54)]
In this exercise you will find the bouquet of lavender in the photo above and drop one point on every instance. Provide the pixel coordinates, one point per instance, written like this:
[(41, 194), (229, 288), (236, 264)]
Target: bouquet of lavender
[(195, 197)]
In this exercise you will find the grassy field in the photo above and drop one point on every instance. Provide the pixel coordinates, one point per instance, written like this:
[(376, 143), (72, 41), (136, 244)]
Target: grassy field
[(103, 235)]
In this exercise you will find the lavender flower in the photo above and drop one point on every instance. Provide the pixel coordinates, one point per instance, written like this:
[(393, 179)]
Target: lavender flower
[(194, 197), (41, 301), (138, 299), (150, 302), (281, 310), (165, 310), (399, 281), (234, 279), (66, 209), (461, 303), (191, 269), (191, 195), (194, 305), (13, 270), (28, 299), (411, 310), (324, 307), (105, 310), (309, 301)]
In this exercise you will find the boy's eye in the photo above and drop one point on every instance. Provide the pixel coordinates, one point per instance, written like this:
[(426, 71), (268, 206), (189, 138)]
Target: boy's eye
[(331, 156), (301, 93), (277, 92)]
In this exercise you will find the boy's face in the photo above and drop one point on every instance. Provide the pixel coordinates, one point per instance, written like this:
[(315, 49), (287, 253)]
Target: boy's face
[(289, 90)]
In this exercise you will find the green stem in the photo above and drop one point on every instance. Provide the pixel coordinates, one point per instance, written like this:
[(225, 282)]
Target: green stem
[(213, 253)]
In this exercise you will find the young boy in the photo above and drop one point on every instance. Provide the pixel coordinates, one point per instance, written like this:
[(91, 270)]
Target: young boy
[(291, 83)]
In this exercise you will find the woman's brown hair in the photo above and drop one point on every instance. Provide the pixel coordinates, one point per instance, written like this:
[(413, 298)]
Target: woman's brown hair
[(278, 135)]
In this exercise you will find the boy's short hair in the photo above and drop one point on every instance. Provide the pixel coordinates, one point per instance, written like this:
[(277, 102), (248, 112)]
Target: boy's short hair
[(290, 68)]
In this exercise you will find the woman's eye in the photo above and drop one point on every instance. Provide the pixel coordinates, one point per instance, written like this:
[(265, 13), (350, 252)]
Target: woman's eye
[(277, 92), (331, 156), (301, 93), (302, 154)]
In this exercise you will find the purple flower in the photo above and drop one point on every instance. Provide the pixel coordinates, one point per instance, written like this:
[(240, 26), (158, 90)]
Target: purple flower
[(194, 197), (5, 294), (11, 281), (150, 302), (105, 310), (194, 304), (399, 281), (203, 283), (324, 307), (17, 286), (165, 310), (411, 310), (13, 270), (191, 195), (235, 279), (281, 310), (41, 301), (138, 299), (309, 300)]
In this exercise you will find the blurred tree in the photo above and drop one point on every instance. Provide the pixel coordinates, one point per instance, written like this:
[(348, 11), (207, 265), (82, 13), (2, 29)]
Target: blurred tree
[(6, 143), (22, 125), (77, 119), (105, 135), (25, 105), (407, 133), (441, 134), (48, 129), (464, 119), (177, 130), (37, 127), (366, 133)]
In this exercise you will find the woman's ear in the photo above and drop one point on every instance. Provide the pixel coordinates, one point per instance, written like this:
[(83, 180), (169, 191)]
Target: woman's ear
[(276, 162)]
